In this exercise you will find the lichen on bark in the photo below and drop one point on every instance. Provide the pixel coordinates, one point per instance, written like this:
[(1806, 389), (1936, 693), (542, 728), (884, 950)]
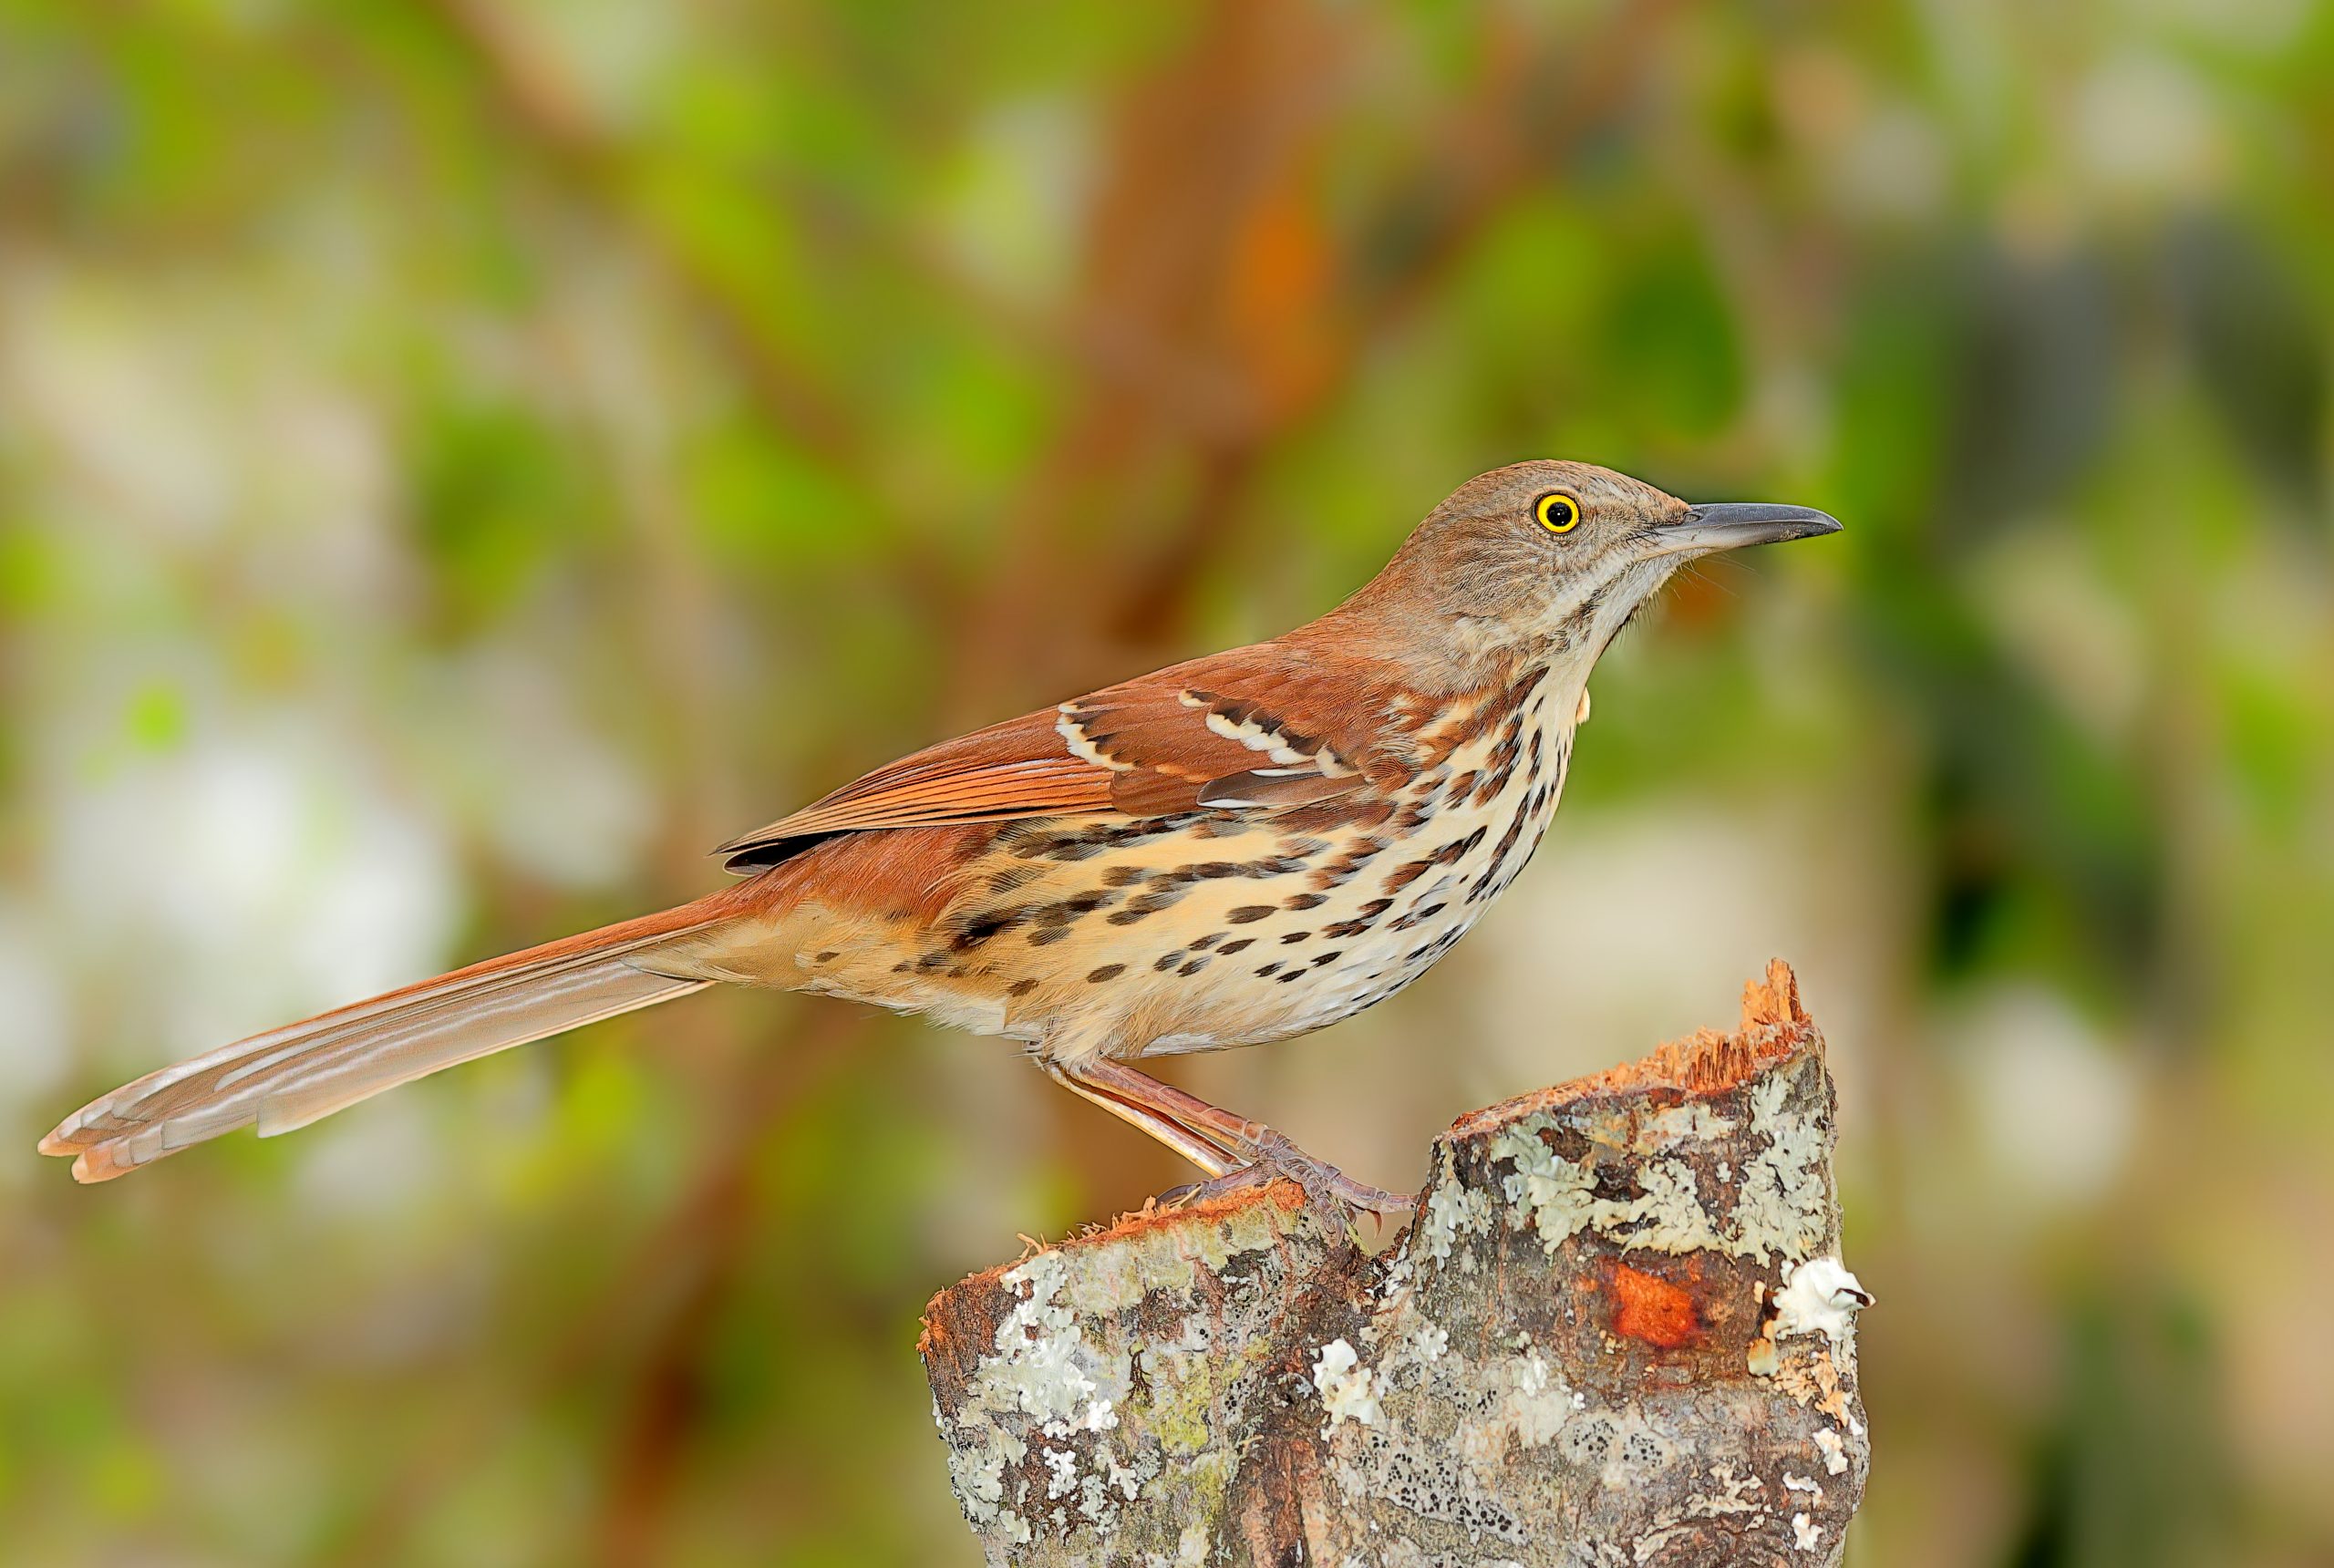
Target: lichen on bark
[(1618, 1331)]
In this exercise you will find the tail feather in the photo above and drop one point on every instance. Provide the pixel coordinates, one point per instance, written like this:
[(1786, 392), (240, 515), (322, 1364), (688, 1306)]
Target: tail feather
[(288, 1078)]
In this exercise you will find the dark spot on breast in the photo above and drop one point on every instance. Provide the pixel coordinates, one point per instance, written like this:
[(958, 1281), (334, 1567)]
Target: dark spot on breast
[(1210, 940), (1268, 971), (1215, 869), (1143, 905), (1120, 876), (1349, 864), (1249, 914), (1296, 936), (1457, 850), (1418, 917), (1195, 965), (1046, 935), (1292, 974), (1331, 957), (1020, 987), (1403, 876), (1362, 921), (829, 956), (1167, 961), (1304, 901), (1108, 972), (988, 923), (1011, 877), (1232, 947), (902, 967)]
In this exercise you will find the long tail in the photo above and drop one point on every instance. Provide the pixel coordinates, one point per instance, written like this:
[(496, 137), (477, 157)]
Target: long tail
[(288, 1077)]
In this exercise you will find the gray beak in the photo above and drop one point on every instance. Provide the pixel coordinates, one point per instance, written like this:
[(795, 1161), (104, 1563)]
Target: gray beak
[(1733, 524)]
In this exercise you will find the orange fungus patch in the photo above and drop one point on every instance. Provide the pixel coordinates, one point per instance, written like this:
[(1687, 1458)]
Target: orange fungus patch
[(1650, 1308)]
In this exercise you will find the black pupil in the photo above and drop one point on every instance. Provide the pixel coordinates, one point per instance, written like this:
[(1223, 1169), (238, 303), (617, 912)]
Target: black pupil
[(1559, 512)]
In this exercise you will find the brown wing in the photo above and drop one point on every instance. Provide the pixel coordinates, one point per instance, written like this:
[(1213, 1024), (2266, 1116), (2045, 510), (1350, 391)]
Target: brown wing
[(1263, 727)]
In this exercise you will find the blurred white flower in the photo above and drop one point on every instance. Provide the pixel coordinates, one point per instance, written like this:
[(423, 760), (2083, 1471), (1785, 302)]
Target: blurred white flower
[(555, 796), (241, 883), (1896, 167), (199, 426), (2143, 126), (2056, 1105), (116, 417), (1640, 925), (34, 1016)]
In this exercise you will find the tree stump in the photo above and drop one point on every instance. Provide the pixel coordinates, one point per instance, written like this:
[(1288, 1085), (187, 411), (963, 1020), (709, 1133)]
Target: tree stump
[(1616, 1332)]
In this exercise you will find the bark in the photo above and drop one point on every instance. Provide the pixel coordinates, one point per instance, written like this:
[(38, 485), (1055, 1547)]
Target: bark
[(1617, 1331)]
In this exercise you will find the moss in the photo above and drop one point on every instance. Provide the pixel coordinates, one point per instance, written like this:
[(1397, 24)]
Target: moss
[(1784, 1202), (1781, 1203), (1452, 1213), (1191, 1377)]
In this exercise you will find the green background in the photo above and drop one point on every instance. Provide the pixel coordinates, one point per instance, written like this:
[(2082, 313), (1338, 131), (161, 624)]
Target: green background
[(458, 462)]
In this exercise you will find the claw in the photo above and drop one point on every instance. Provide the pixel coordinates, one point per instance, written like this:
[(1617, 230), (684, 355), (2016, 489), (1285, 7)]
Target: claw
[(1336, 1197)]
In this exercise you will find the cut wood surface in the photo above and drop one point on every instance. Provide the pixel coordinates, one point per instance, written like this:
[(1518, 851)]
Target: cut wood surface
[(1617, 1331)]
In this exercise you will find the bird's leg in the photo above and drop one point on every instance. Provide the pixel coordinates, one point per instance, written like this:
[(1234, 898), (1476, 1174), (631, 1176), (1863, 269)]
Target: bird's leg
[(1262, 1152), (1199, 1152)]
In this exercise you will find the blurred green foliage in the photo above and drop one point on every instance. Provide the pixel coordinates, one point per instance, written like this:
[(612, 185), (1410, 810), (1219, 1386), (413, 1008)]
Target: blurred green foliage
[(459, 459)]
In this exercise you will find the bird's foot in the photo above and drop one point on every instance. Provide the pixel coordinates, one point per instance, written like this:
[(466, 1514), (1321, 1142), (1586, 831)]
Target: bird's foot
[(1213, 1137), (1336, 1197)]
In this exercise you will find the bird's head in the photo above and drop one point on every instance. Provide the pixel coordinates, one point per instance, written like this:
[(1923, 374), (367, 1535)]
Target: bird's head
[(1560, 554)]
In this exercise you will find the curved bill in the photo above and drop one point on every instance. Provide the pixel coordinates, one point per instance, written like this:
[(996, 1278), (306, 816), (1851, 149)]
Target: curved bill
[(1733, 524)]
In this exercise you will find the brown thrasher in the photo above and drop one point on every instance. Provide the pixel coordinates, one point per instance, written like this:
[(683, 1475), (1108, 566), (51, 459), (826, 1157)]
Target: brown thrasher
[(1238, 849)]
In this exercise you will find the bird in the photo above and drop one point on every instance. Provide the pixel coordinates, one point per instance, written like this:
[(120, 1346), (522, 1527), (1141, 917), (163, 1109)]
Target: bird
[(1235, 850)]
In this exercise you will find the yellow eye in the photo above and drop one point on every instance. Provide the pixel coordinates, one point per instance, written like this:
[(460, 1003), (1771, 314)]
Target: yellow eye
[(1558, 512)]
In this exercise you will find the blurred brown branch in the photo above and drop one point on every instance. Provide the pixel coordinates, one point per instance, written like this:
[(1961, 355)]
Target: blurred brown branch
[(1209, 232)]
